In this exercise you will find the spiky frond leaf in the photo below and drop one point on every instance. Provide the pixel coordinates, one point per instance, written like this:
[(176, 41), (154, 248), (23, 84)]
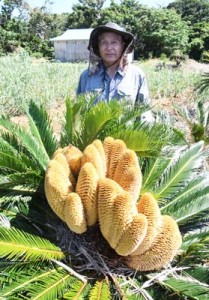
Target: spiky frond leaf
[(27, 140), (97, 118), (11, 163), (187, 287), (16, 244), (7, 147), (100, 291), (44, 282), (27, 181), (201, 273), (85, 123), (41, 128), (77, 290), (142, 141), (191, 202), (196, 237), (183, 168), (195, 250), (16, 275), (135, 288), (50, 286), (72, 121), (153, 170), (28, 215)]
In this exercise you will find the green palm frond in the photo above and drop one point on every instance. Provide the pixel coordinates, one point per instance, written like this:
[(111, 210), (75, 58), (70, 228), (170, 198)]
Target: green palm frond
[(13, 269), (72, 122), (25, 152), (41, 128), (27, 141), (84, 124), (200, 273), (135, 288), (22, 182), (183, 168), (11, 266), (193, 208), (77, 290), (196, 221), (97, 120), (146, 140), (40, 282), (187, 286), (8, 147), (28, 215), (140, 141), (9, 200), (154, 168), (50, 286), (196, 240), (11, 162), (27, 246), (100, 291), (191, 202), (164, 132), (195, 253)]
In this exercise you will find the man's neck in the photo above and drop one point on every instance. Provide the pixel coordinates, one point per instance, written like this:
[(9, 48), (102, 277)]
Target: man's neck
[(112, 69)]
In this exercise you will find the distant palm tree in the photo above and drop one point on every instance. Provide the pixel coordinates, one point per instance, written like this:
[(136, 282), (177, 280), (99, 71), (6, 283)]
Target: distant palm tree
[(40, 258)]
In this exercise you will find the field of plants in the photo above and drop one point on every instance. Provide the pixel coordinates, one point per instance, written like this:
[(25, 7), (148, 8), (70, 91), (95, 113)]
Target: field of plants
[(23, 79)]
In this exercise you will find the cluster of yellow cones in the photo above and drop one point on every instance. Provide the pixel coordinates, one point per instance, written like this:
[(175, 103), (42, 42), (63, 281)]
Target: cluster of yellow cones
[(102, 184)]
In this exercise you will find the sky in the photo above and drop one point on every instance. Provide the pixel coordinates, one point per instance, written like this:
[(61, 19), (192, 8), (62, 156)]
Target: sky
[(61, 6)]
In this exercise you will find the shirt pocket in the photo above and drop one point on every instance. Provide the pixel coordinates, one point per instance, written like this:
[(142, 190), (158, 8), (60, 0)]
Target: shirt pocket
[(127, 91), (95, 90), (94, 93)]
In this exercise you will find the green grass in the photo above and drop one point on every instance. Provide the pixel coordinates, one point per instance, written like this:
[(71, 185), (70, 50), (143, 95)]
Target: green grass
[(168, 82), (23, 78)]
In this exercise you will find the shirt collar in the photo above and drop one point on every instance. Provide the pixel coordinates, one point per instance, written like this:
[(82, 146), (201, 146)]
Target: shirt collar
[(120, 70)]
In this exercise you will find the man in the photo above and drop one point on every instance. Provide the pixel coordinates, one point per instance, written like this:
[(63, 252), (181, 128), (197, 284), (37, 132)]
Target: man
[(110, 75)]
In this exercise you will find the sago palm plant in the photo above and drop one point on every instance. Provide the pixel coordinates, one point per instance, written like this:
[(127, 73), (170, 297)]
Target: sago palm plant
[(203, 83), (197, 119), (40, 258)]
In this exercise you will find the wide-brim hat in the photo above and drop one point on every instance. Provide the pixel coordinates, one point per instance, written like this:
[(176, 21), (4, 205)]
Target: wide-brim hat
[(127, 37)]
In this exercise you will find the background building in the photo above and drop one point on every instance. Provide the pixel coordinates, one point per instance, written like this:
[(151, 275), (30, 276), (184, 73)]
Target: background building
[(72, 45)]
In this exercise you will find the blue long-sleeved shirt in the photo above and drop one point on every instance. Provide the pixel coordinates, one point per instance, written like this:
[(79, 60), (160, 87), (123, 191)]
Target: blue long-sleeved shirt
[(130, 84)]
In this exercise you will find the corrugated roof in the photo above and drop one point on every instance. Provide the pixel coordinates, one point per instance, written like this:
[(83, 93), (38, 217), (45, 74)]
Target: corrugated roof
[(74, 34)]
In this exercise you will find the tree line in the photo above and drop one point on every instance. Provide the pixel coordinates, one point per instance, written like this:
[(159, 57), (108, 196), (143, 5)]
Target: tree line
[(179, 29)]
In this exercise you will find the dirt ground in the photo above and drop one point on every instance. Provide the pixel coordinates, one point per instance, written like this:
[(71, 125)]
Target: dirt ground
[(194, 66)]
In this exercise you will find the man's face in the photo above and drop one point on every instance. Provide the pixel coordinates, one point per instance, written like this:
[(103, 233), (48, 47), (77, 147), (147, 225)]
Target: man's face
[(111, 47)]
